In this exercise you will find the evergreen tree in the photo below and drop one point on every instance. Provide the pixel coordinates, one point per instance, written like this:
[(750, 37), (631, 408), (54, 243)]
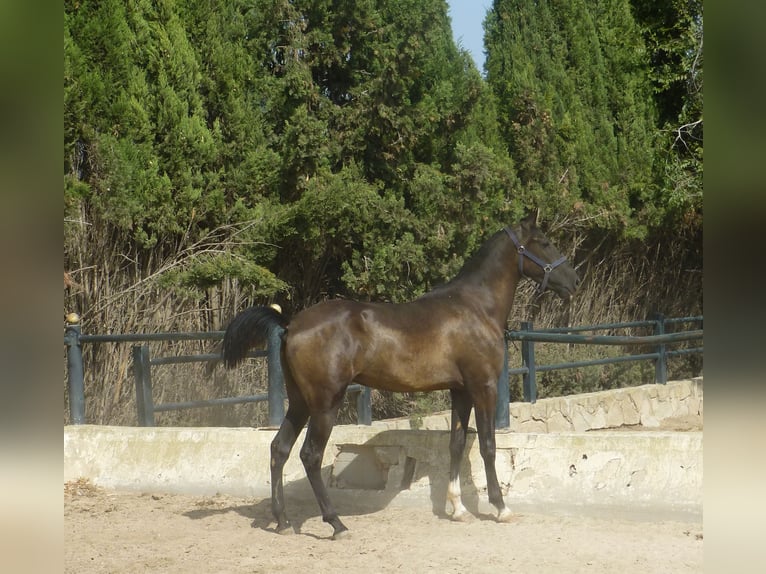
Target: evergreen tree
[(631, 108), (673, 32), (341, 141), (377, 91), (573, 106), (143, 130), (143, 158)]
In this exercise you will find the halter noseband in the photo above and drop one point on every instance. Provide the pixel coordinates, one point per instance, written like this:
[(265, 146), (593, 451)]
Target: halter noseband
[(547, 267)]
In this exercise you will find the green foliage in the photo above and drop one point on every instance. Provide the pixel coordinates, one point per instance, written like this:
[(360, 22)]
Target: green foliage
[(320, 120), (574, 107), (207, 270), (673, 33), (362, 148)]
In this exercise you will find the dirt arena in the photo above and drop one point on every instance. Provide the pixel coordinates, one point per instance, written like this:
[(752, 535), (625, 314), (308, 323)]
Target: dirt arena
[(118, 532)]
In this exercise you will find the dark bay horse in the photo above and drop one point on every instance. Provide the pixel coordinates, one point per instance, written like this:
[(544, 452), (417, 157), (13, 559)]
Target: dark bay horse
[(450, 338)]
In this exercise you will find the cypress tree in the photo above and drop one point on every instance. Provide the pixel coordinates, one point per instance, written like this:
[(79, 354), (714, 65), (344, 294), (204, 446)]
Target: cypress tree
[(574, 116), (375, 90), (673, 33), (349, 143)]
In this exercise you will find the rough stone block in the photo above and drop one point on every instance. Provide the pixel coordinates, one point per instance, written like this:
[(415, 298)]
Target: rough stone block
[(557, 422), (649, 420), (663, 392), (614, 416), (556, 406), (663, 409), (630, 414), (579, 420), (532, 426), (598, 419), (680, 389), (522, 412)]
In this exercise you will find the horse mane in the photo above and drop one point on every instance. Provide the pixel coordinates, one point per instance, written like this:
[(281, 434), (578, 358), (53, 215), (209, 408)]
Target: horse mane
[(473, 268), (477, 262)]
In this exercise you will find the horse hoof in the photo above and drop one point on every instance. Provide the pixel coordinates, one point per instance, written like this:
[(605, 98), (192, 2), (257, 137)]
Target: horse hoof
[(505, 515), (460, 517), (341, 534)]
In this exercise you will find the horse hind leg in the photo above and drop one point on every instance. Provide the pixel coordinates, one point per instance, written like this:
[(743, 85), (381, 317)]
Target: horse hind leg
[(283, 442), (461, 412), (312, 453)]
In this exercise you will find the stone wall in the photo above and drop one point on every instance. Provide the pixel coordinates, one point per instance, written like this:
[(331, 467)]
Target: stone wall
[(549, 457), (645, 406)]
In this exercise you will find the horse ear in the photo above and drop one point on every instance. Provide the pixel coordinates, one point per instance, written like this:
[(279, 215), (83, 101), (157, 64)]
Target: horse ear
[(531, 220)]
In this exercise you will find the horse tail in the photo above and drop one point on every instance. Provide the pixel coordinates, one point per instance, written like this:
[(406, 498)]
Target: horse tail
[(249, 329)]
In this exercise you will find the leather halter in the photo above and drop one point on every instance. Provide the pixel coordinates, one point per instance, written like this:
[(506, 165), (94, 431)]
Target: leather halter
[(547, 267)]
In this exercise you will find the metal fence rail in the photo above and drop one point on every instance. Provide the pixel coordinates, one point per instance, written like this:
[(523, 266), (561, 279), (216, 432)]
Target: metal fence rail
[(275, 396), (143, 363), (529, 369), (142, 370)]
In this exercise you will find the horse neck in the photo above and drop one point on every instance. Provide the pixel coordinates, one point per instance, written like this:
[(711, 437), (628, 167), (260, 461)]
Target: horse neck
[(490, 277)]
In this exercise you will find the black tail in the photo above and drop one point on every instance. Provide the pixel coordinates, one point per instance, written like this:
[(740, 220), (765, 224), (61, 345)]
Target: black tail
[(248, 329)]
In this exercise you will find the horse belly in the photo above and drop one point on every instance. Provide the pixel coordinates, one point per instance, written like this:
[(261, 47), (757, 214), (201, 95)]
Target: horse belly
[(409, 372)]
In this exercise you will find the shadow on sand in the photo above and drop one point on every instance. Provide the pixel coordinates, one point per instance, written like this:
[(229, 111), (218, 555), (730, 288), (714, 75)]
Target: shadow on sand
[(409, 466)]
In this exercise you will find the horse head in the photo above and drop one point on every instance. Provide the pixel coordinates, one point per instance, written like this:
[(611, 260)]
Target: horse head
[(541, 261)]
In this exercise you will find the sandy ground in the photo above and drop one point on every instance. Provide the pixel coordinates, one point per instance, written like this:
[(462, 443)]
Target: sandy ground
[(119, 532)]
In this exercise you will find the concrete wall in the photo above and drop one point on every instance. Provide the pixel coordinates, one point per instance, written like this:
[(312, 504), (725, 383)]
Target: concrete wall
[(644, 469)]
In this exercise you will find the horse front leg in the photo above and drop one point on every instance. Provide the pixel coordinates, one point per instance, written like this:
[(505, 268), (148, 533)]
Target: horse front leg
[(312, 453), (485, 425), (461, 412), (283, 442)]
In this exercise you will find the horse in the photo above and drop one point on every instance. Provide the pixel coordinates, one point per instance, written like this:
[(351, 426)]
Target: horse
[(452, 338)]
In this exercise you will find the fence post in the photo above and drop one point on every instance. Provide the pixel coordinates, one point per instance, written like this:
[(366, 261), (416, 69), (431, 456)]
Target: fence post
[(75, 370), (142, 372), (528, 361), (275, 376), (502, 410), (364, 406), (661, 364)]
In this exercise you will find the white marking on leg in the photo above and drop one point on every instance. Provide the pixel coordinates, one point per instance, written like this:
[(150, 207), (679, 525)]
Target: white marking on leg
[(505, 515), (454, 497)]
